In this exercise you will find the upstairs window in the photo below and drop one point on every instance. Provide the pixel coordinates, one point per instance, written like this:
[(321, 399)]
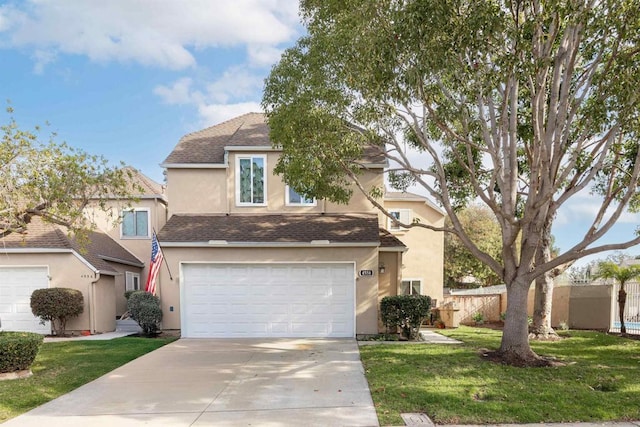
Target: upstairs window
[(251, 185), (135, 223), (411, 287), (295, 199), (402, 215)]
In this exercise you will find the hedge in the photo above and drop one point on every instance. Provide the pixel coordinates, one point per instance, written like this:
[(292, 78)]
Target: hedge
[(18, 350), (57, 305), (406, 312), (145, 309)]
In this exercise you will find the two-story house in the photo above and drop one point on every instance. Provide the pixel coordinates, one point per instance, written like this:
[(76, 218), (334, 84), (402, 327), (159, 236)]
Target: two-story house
[(247, 256), (112, 260)]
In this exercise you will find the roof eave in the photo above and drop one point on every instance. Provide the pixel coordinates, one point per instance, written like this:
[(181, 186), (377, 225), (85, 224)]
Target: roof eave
[(194, 165), (223, 244)]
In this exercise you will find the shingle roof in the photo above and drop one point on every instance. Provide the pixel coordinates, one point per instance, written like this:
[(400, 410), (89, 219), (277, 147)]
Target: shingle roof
[(388, 240), (304, 228), (98, 248), (149, 187), (207, 145), (249, 130), (397, 196)]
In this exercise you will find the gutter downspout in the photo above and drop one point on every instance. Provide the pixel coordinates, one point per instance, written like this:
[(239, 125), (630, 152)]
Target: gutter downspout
[(92, 304)]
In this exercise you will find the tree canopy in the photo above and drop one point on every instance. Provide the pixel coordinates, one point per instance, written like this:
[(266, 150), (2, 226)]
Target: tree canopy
[(53, 181), (459, 263), (519, 105)]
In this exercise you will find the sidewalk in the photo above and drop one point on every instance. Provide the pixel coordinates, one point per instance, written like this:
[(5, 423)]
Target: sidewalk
[(96, 337)]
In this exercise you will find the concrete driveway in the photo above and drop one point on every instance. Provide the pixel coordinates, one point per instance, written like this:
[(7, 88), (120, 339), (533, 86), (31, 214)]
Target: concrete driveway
[(230, 382)]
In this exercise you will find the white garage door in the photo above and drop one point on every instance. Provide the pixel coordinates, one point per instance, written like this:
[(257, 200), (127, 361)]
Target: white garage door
[(268, 300), (16, 286)]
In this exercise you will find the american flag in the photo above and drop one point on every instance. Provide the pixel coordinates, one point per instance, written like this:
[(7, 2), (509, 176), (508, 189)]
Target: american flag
[(154, 267)]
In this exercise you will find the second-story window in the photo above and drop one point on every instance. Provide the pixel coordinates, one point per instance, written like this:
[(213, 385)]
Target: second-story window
[(296, 199), (135, 223), (402, 215), (251, 180)]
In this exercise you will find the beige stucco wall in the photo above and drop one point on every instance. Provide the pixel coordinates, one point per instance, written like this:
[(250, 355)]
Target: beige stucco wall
[(67, 271), (366, 258), (104, 304), (138, 246), (120, 306), (389, 281), (199, 191), (425, 258)]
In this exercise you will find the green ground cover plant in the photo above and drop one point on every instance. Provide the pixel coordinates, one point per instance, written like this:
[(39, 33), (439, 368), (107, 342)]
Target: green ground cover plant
[(598, 380), (63, 366)]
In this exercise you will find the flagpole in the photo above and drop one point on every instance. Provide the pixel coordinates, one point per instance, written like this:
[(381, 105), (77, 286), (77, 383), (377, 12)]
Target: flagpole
[(164, 258)]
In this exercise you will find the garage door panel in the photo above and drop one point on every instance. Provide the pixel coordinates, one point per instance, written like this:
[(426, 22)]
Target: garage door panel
[(16, 286), (279, 300)]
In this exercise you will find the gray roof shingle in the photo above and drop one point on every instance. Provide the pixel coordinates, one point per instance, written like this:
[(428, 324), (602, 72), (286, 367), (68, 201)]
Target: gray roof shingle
[(98, 248), (271, 228), (206, 146)]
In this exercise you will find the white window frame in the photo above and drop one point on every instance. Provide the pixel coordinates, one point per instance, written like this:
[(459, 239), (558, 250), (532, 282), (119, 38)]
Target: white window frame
[(135, 211), (410, 286), (264, 186), (130, 279), (404, 215), (288, 202)]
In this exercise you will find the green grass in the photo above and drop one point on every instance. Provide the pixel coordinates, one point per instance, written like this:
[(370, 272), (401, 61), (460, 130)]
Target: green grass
[(63, 366), (452, 384)]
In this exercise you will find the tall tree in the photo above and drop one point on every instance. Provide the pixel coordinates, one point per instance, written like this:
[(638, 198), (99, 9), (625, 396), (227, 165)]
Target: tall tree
[(519, 104), (53, 181), (483, 229), (621, 274)]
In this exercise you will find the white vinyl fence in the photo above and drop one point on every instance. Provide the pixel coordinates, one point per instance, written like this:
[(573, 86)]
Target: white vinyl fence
[(631, 310)]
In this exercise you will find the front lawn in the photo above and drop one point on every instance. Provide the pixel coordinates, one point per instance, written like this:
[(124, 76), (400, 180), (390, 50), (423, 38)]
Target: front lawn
[(63, 366), (452, 384)]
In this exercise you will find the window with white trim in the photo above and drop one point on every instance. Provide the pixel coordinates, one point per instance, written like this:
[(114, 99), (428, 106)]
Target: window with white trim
[(402, 215), (411, 287), (135, 223), (293, 198), (251, 180), (131, 281)]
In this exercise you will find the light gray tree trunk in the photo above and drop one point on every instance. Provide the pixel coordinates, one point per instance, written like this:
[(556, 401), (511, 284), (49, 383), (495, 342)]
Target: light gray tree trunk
[(515, 349), (543, 297)]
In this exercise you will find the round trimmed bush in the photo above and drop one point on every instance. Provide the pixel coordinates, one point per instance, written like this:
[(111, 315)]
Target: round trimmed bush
[(406, 312), (57, 305), (18, 350), (145, 309)]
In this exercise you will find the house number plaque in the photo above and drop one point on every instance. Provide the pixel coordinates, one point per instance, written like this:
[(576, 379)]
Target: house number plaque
[(364, 273)]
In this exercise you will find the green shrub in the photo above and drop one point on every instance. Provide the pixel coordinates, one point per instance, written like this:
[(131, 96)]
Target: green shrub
[(145, 309), (127, 294), (18, 350), (406, 312), (478, 318), (57, 305)]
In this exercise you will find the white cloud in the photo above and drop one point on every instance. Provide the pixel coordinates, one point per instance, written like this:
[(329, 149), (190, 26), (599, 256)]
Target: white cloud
[(165, 34), (42, 58), (212, 114), (179, 93), (263, 55), (235, 83), (232, 94)]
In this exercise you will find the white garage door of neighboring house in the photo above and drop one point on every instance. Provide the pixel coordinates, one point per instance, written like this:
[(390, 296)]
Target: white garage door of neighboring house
[(16, 286), (268, 300)]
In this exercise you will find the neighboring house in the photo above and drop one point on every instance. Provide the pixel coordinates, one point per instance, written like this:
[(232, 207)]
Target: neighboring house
[(114, 259), (422, 272), (133, 229), (45, 256), (252, 258)]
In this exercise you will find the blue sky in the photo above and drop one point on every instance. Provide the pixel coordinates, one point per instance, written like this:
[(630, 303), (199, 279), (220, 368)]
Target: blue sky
[(126, 78)]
